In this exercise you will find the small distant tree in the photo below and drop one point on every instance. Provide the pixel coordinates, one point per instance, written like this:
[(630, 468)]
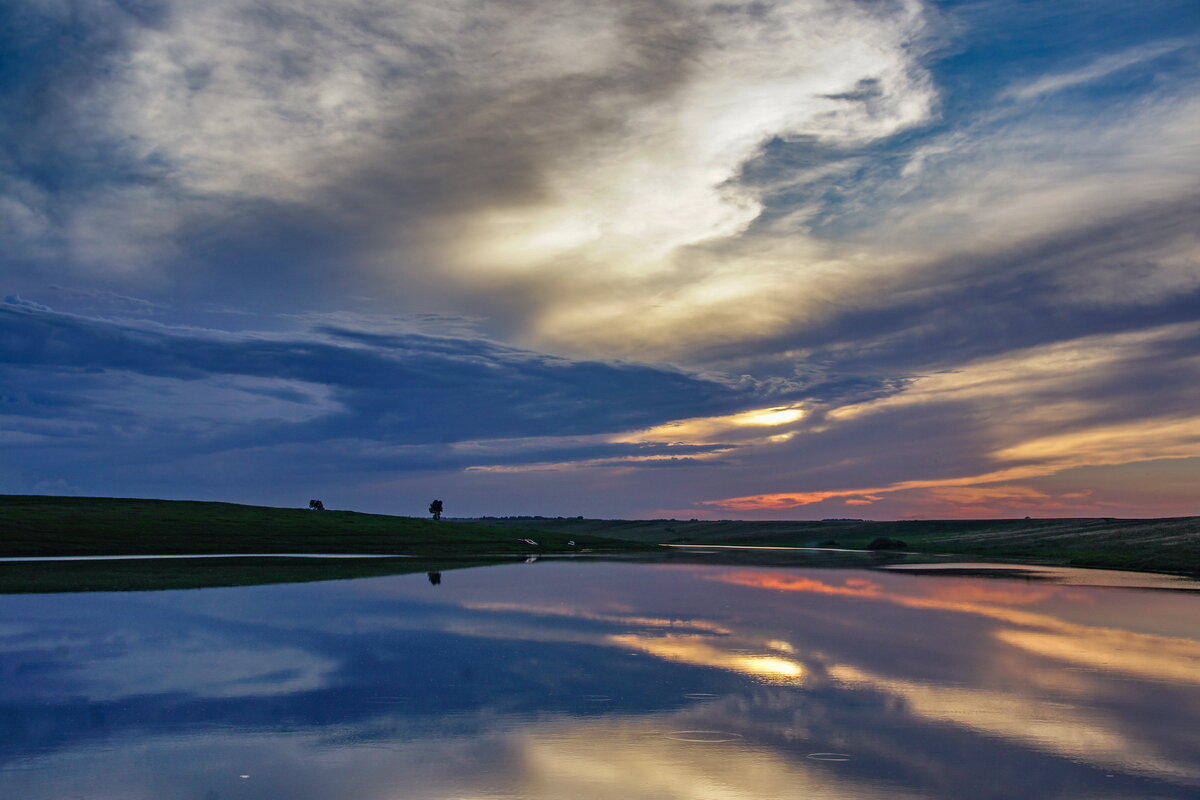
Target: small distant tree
[(435, 508), (316, 505)]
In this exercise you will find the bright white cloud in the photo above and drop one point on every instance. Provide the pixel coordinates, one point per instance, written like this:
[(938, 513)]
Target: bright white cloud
[(1020, 179), (567, 152), (1098, 68)]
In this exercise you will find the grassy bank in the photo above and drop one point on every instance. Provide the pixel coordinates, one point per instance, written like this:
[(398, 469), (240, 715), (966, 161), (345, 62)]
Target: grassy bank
[(66, 526), (63, 526), (1161, 545)]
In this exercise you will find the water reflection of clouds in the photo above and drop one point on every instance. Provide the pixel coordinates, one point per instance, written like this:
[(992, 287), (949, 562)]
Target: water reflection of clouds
[(1155, 657), (1021, 712), (85, 655), (485, 687), (1145, 655), (205, 667), (674, 623), (1018, 713), (1056, 727), (694, 641), (632, 758), (1004, 594), (638, 760), (701, 651)]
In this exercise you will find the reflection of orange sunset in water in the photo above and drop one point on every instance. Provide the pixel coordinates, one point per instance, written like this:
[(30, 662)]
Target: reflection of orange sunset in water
[(1146, 655), (699, 650), (854, 587), (978, 592), (578, 680), (1034, 704)]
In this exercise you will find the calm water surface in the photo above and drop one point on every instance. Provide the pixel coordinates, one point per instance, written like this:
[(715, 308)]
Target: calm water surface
[(570, 680)]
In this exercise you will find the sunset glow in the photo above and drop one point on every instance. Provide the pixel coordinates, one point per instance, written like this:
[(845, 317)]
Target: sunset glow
[(808, 259)]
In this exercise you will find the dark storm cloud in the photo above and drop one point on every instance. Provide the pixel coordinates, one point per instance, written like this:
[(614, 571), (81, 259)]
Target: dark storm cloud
[(128, 393), (473, 387)]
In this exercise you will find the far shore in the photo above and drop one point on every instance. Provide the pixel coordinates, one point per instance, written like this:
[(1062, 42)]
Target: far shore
[(1170, 545), (43, 526)]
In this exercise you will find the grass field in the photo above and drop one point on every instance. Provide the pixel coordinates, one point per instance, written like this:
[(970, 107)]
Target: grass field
[(70, 526), (1160, 545), (86, 526)]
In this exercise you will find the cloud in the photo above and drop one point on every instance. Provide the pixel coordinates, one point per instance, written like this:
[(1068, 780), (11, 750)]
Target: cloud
[(650, 180), (137, 393), (1098, 68), (518, 157), (17, 301), (993, 501), (838, 201), (1002, 421)]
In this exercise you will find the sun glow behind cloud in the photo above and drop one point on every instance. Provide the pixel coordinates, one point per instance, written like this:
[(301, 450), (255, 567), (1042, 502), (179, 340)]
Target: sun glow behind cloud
[(1042, 410), (575, 154), (699, 430)]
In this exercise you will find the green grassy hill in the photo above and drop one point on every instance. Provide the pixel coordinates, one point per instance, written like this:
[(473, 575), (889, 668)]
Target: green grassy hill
[(65, 526), (1166, 545)]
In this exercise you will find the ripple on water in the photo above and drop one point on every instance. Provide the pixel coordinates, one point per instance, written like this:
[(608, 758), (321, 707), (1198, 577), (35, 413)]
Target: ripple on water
[(704, 736), (699, 696), (830, 756)]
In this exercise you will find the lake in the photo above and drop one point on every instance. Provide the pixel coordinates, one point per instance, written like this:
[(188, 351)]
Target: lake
[(578, 680)]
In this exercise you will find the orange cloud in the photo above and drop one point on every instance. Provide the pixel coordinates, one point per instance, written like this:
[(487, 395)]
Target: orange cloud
[(995, 501), (774, 502), (951, 496), (973, 495), (786, 500), (1034, 429)]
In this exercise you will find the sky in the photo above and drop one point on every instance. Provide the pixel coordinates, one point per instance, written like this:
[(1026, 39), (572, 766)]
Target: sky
[(805, 259)]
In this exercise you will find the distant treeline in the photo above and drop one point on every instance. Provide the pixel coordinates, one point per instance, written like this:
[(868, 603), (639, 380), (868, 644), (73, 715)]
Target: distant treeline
[(519, 517)]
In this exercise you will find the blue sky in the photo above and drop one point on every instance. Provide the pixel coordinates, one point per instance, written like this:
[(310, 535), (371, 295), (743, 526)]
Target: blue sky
[(779, 260)]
